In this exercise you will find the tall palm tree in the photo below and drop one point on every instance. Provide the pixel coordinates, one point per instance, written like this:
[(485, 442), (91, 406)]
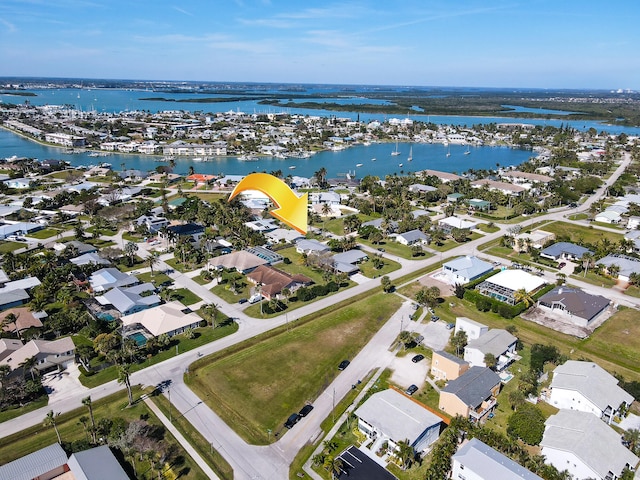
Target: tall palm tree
[(130, 250), (587, 261), (153, 260), (50, 421), (86, 401), (124, 377), (29, 364), (405, 453)]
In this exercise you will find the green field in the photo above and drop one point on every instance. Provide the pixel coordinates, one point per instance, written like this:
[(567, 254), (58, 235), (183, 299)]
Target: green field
[(255, 387), (579, 233), (37, 437)]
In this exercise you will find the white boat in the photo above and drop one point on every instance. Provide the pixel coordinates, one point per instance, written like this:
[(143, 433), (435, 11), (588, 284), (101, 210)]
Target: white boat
[(280, 155), (366, 144), (197, 159), (395, 152), (292, 167), (467, 151), (410, 154), (373, 159), (248, 158), (400, 164), (358, 164), (448, 152)]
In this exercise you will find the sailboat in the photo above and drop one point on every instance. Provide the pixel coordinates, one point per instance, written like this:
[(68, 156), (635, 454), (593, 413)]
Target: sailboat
[(395, 152), (410, 154), (468, 151), (448, 151)]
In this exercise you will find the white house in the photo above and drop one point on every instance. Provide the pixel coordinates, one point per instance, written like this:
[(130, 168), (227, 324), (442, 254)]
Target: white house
[(476, 460), (448, 224), (171, 318), (465, 269), (500, 343), (472, 328), (587, 387), (608, 216), (389, 415), (412, 237), (588, 448)]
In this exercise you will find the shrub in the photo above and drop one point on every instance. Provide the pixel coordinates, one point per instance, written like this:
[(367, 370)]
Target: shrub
[(527, 423), (286, 260), (483, 304)]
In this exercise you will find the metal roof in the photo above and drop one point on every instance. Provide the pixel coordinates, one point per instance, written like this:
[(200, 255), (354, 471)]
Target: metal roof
[(35, 464), (485, 462), (97, 463)]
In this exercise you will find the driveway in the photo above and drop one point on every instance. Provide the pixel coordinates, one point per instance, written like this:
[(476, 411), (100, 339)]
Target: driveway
[(63, 385), (405, 372)]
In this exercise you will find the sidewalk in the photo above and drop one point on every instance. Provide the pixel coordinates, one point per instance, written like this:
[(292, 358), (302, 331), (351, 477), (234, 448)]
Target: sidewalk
[(181, 440)]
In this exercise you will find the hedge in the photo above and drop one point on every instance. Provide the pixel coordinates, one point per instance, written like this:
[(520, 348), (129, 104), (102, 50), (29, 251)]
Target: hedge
[(484, 303)]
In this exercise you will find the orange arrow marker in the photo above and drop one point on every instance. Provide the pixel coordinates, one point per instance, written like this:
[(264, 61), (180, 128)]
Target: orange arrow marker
[(292, 209)]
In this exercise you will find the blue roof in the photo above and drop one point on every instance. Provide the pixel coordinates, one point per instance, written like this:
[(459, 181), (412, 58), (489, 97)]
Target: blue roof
[(468, 267), (560, 248)]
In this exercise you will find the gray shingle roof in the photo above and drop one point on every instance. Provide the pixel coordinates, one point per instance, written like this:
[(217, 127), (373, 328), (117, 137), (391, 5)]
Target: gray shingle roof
[(590, 439), (468, 267), (474, 386), (560, 248), (486, 462), (496, 341), (575, 301)]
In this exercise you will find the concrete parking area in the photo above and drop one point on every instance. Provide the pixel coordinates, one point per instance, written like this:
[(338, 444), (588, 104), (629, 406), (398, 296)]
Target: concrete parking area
[(405, 372)]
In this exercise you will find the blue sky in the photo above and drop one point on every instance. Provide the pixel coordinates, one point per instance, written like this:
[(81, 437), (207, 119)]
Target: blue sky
[(536, 43)]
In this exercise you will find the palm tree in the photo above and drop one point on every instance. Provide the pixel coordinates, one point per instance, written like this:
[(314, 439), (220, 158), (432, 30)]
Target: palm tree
[(130, 250), (86, 401), (613, 270), (523, 296), (405, 453), (123, 377), (587, 261), (29, 364), (632, 437), (50, 421), (84, 421), (333, 465), (326, 210), (152, 260)]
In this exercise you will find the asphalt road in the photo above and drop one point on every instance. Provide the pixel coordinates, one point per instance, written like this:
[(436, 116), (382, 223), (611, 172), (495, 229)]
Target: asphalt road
[(272, 462)]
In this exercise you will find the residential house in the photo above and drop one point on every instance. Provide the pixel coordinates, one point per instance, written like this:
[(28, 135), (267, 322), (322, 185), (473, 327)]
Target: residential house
[(346, 262), (503, 285), (107, 278), (393, 417), (13, 298), (497, 342), (44, 464), (152, 223), (454, 197), (242, 261), (565, 251), (382, 224), (476, 460), (608, 216), (264, 226), (191, 231), (445, 177), (273, 281), (8, 346), (97, 463), (463, 270), (633, 222), (49, 354), (420, 188), (448, 224), (627, 265), (24, 320), (472, 328), (171, 318), (587, 387), (536, 239), (585, 446), (311, 247), (574, 305), (130, 299), (89, 258), (445, 366), (471, 395), (322, 198), (283, 235), (412, 237), (80, 247), (18, 183), (526, 179), (504, 187)]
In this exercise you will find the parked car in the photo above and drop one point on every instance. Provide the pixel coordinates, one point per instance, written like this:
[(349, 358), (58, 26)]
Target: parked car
[(243, 300), (411, 390), (450, 326), (381, 249), (435, 318), (417, 358), (304, 411), (292, 420), (343, 364), (562, 265)]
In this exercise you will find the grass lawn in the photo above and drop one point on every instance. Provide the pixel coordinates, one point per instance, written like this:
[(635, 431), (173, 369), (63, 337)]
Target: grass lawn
[(392, 247), (613, 346), (578, 233), (203, 336), (594, 279), (579, 216), (6, 246), (250, 385), (333, 225), (632, 291), (99, 243), (228, 296), (115, 406), (449, 243), (368, 269), (187, 297), (182, 267), (157, 278), (297, 265), (16, 412), (201, 281), (208, 197), (488, 229), (45, 233)]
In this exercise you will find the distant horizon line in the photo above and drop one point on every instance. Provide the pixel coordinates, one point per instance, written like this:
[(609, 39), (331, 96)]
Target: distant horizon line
[(253, 82)]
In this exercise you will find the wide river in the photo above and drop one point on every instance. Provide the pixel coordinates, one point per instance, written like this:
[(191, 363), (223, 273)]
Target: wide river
[(360, 160)]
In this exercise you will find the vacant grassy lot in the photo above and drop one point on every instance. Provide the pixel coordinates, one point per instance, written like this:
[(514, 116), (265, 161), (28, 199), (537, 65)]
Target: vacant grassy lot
[(368, 270), (45, 233), (394, 248), (37, 437), (257, 387), (578, 233), (186, 297)]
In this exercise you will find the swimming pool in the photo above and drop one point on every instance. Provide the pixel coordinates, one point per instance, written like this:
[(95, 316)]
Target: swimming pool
[(139, 338), (107, 317)]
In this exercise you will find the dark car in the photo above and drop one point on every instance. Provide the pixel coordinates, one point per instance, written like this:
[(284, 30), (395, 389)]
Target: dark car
[(343, 364), (450, 326), (292, 420), (381, 249), (417, 358), (435, 318), (243, 300), (304, 411), (411, 390), (562, 265)]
